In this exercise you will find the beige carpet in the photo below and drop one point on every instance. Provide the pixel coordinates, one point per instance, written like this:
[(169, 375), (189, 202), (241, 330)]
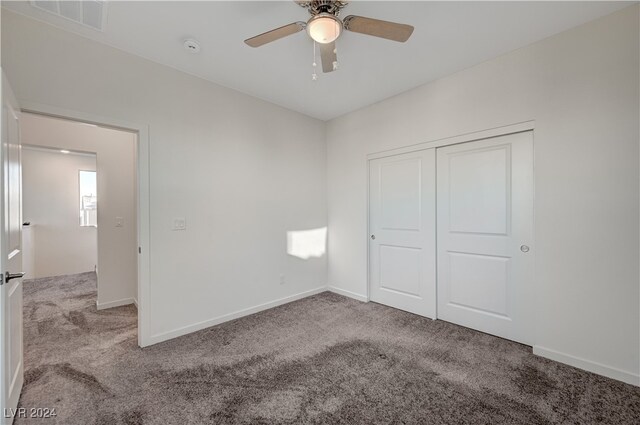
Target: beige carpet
[(322, 360)]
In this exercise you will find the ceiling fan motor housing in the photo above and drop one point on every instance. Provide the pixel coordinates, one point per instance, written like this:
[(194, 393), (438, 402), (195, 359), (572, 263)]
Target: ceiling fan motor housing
[(316, 7)]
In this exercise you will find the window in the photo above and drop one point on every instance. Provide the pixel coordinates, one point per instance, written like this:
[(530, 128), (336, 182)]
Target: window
[(88, 199)]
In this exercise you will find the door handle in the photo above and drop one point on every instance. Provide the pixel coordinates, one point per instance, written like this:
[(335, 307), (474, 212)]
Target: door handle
[(10, 276), (373, 237), (524, 248)]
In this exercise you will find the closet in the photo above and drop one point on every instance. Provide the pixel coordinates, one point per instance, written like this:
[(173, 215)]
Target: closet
[(451, 233)]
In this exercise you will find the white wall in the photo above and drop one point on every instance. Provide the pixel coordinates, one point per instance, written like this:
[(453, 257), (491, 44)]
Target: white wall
[(50, 202), (581, 88), (116, 184), (241, 171)]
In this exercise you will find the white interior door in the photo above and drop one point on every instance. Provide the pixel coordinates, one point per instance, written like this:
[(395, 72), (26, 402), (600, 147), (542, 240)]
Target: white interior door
[(11, 356), (485, 231), (402, 269)]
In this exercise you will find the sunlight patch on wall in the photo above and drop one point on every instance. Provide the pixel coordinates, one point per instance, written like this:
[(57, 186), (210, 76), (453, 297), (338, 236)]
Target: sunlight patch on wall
[(307, 244)]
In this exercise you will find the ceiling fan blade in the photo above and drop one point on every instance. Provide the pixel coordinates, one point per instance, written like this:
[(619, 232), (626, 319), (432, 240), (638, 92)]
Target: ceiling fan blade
[(328, 56), (378, 28), (275, 34)]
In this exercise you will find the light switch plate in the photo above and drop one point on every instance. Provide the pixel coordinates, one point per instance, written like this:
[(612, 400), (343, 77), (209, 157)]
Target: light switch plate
[(119, 221), (179, 223)]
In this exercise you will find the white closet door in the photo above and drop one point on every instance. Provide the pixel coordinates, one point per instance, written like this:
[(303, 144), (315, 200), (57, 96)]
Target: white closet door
[(402, 232), (485, 231)]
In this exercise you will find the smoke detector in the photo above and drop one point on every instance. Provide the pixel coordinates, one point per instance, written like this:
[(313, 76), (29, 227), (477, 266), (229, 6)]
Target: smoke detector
[(192, 45)]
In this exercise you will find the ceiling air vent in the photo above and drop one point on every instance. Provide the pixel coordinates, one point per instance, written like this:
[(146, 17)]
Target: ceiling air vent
[(90, 13)]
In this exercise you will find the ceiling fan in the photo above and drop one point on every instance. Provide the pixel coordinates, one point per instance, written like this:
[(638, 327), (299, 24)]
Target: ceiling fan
[(325, 27)]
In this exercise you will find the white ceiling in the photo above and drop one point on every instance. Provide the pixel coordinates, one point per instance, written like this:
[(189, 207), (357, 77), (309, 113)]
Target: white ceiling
[(448, 37)]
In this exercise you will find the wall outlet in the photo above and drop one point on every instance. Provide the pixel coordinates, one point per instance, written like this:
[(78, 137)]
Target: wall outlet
[(179, 223), (282, 279), (119, 221)]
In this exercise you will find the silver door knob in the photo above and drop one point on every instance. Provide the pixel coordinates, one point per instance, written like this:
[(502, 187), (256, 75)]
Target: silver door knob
[(10, 276), (373, 237), (524, 248)]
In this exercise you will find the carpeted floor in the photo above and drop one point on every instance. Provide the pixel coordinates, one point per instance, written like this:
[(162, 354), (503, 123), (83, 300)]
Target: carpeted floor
[(326, 359)]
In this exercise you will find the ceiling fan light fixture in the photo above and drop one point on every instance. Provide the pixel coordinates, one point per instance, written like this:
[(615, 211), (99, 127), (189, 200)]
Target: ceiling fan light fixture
[(324, 28)]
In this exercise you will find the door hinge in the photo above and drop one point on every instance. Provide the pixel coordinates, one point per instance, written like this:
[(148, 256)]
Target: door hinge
[(139, 250)]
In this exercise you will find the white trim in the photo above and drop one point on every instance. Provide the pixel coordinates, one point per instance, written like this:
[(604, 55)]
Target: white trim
[(36, 148), (368, 230), (143, 195), (462, 138), (164, 336), (349, 294), (116, 303), (135, 301), (588, 365)]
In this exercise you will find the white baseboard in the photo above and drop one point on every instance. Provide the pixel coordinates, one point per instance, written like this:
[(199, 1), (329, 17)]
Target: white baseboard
[(231, 316), (116, 303), (135, 301), (588, 365), (349, 294)]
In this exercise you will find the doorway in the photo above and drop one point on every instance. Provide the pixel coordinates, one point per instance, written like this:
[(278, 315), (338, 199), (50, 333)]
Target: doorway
[(11, 286), (451, 230), (64, 161), (59, 210)]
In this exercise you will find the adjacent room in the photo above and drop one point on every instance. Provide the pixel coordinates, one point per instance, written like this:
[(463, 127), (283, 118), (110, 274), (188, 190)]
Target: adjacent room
[(320, 212), (60, 214), (78, 260), (79, 206)]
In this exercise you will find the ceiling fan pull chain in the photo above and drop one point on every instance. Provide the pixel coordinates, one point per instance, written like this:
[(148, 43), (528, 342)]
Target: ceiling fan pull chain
[(335, 49), (314, 76)]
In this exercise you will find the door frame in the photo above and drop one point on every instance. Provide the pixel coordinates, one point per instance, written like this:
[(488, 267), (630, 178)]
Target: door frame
[(142, 195), (448, 141)]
